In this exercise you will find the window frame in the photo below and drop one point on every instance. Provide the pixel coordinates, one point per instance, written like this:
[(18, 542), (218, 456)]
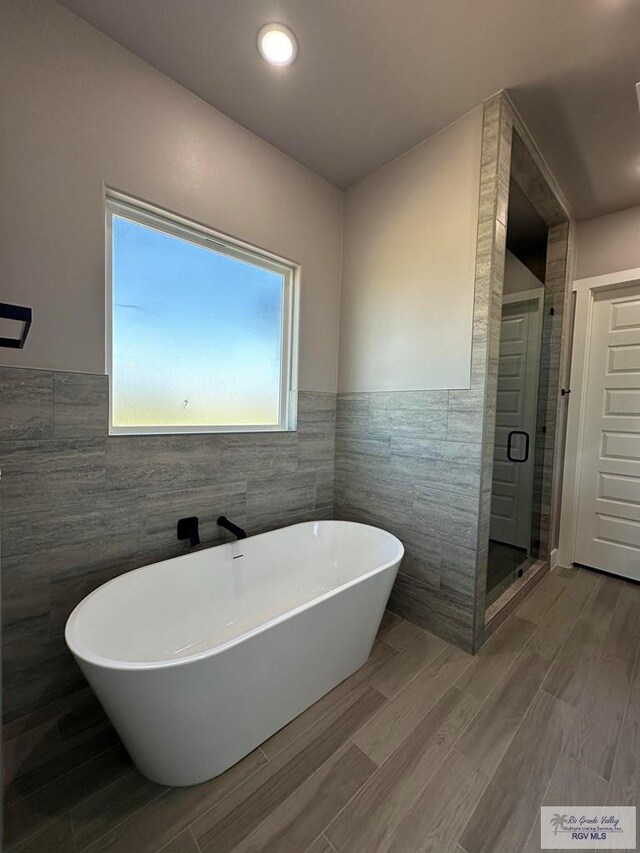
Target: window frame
[(151, 216)]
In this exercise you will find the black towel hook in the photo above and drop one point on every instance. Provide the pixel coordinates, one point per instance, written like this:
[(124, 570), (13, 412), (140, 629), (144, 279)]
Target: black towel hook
[(21, 314)]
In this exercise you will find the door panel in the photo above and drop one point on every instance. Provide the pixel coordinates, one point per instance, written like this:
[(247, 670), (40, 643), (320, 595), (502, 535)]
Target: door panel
[(621, 445), (517, 398), (619, 531), (608, 530), (618, 488), (624, 358), (619, 402), (626, 315)]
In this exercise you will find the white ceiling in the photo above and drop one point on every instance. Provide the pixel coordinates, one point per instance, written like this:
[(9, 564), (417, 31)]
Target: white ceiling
[(375, 77)]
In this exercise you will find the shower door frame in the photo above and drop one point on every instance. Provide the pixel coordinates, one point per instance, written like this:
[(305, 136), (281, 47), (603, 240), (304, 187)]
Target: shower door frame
[(508, 151)]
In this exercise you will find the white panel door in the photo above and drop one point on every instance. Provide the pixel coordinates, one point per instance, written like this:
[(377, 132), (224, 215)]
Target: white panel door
[(608, 531), (518, 371)]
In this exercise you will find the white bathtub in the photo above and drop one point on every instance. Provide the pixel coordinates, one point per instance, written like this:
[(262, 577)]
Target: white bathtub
[(199, 659)]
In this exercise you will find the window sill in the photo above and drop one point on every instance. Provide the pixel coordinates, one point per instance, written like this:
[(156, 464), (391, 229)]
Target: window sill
[(231, 430)]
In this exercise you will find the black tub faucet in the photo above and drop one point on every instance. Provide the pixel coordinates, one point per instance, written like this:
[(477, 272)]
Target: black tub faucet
[(238, 532), (188, 529)]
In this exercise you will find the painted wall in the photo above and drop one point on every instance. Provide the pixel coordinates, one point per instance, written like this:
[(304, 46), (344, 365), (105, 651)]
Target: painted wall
[(409, 262), (608, 243), (78, 111)]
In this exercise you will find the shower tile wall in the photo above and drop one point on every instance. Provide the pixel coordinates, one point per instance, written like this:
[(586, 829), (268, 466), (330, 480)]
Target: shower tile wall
[(409, 461), (80, 507)]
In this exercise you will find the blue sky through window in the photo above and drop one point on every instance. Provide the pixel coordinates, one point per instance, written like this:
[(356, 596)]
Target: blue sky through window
[(196, 334)]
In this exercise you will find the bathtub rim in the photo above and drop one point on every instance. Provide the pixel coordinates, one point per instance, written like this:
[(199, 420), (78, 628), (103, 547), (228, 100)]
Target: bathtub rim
[(149, 666)]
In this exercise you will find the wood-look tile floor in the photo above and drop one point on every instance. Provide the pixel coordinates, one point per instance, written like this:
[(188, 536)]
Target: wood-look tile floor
[(424, 749)]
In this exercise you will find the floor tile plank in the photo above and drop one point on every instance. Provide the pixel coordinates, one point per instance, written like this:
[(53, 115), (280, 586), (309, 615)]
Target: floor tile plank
[(389, 621), (593, 736), (55, 838), (167, 816), (320, 845), (496, 657), (582, 582), (385, 731), (380, 655), (401, 669), (554, 627), (112, 806), (224, 826), (299, 819), (439, 815), (542, 598), (571, 670), (26, 816), (506, 811), (622, 638), (574, 785), (491, 731), (570, 785), (624, 786), (601, 604), (402, 635), (373, 815), (183, 843)]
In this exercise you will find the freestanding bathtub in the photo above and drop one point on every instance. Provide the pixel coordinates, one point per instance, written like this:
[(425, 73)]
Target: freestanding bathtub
[(199, 659)]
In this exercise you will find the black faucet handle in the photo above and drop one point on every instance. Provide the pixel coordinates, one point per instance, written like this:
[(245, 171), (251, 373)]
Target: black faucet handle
[(238, 532), (188, 529)]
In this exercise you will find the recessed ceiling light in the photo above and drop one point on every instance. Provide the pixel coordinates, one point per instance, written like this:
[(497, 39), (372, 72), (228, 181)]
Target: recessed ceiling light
[(277, 44)]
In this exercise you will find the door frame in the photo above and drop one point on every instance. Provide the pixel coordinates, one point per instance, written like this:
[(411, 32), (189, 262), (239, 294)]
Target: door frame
[(585, 290)]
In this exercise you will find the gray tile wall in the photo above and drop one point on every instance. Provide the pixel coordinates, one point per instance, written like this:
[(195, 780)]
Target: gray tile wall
[(80, 507), (410, 462)]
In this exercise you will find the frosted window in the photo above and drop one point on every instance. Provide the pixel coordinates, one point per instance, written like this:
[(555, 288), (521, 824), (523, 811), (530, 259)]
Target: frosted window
[(197, 334)]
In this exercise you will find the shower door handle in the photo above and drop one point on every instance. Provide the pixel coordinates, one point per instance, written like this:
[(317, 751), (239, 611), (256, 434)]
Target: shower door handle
[(510, 445)]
